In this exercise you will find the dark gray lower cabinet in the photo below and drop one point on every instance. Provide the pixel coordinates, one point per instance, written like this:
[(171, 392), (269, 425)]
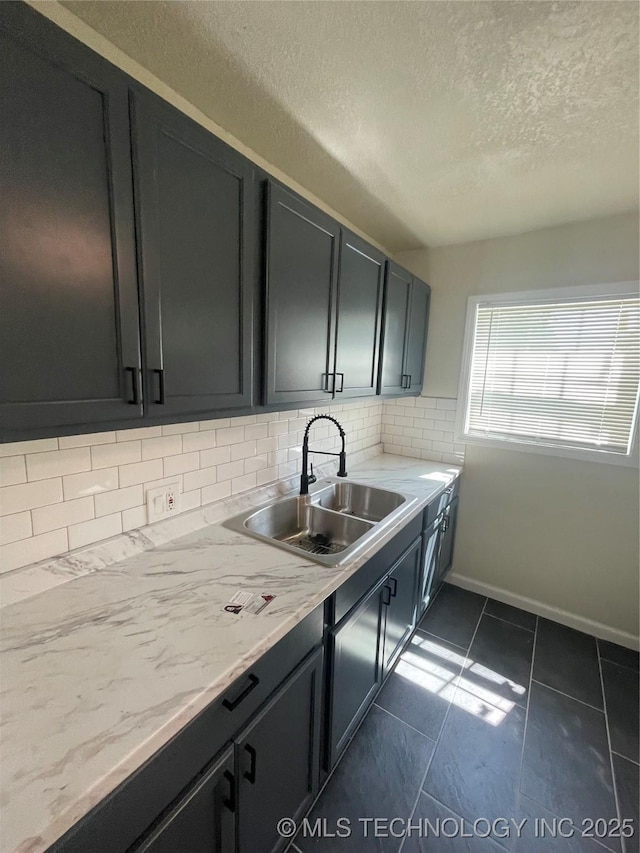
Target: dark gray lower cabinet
[(203, 821), (400, 601), (355, 667), (278, 760), (448, 530), (430, 554)]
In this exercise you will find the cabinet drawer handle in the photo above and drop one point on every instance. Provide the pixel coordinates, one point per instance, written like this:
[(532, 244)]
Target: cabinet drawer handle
[(394, 581), (134, 385), (233, 704), (160, 373), (230, 801), (445, 524), (341, 388), (250, 774), (449, 490), (386, 596)]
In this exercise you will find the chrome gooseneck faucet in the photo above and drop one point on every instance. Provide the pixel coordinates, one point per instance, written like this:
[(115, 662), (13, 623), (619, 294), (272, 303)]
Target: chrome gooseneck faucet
[(307, 479)]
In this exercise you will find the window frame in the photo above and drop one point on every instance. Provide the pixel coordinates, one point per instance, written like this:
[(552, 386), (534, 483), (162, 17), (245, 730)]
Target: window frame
[(625, 288)]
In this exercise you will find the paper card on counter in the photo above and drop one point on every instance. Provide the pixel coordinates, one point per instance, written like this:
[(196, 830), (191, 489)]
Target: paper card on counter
[(248, 601)]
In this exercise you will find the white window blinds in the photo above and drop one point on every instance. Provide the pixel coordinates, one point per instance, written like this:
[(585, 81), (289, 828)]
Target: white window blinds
[(556, 373)]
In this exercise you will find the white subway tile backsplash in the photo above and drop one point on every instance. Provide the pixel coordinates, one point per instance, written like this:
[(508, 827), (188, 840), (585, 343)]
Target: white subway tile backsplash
[(91, 483), (156, 448), (30, 495), (88, 440), (180, 429), (14, 527), (140, 472), (181, 464), (94, 486), (62, 515), (138, 433), (429, 423), (199, 440), (216, 456), (13, 470), (109, 502), (93, 531), (133, 518), (230, 435), (200, 478), (18, 448), (120, 453), (57, 463), (27, 551)]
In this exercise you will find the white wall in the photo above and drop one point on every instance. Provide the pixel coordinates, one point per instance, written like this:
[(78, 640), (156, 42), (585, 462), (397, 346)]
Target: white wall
[(560, 532)]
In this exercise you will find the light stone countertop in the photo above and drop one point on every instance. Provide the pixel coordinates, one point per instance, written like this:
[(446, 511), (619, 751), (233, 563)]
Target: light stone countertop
[(101, 671)]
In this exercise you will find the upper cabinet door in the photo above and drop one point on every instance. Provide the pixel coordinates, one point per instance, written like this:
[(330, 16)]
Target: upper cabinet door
[(195, 211), (302, 263), (69, 311), (417, 329), (397, 302), (360, 290)]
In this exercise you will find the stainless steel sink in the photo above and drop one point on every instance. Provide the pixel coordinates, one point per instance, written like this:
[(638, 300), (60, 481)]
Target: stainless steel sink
[(301, 524), (328, 526), (358, 500)]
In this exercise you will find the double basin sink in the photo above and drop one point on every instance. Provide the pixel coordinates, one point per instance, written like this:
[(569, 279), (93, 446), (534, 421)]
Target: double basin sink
[(328, 526)]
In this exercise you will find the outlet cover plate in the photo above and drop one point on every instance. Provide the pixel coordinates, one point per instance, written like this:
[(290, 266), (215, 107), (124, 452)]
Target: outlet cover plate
[(163, 502)]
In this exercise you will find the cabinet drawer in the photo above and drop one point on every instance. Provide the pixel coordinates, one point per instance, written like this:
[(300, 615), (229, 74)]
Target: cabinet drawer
[(354, 589), (441, 502), (117, 821)]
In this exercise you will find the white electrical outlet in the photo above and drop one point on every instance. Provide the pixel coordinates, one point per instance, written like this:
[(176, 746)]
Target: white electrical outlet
[(163, 502)]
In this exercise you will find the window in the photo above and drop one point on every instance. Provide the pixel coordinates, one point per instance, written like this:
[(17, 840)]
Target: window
[(553, 371)]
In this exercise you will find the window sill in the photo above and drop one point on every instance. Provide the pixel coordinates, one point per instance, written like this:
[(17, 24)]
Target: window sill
[(631, 461)]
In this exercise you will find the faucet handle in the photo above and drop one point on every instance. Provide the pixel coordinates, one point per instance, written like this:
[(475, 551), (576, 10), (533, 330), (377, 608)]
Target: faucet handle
[(312, 477)]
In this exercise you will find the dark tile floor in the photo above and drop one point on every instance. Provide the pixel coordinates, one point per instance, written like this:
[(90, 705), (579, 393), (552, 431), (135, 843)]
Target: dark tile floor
[(498, 731)]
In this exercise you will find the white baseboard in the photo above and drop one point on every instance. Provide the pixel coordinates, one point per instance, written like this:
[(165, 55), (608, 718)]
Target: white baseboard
[(572, 620)]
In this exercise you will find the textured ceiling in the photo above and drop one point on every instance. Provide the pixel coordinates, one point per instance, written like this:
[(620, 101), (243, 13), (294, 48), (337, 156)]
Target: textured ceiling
[(420, 122)]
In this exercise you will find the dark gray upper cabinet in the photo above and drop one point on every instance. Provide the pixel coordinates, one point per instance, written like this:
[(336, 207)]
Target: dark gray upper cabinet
[(278, 760), (195, 211), (399, 597), (203, 820), (360, 291), (404, 337), (69, 310), (301, 277)]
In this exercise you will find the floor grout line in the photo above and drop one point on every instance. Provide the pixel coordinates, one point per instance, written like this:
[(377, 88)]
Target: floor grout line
[(442, 639), (615, 662), (444, 721), (404, 723), (606, 723), (509, 622), (626, 757), (568, 695), (526, 714)]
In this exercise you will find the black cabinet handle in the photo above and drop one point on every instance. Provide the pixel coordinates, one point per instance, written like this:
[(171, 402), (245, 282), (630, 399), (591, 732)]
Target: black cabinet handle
[(134, 385), (386, 595), (405, 382), (445, 524), (250, 774), (325, 382), (230, 801), (394, 581), (341, 388), (160, 373), (233, 703), (409, 385)]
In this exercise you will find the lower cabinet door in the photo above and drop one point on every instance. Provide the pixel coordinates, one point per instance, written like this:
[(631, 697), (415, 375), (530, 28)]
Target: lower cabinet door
[(278, 760), (399, 598), (448, 528), (203, 820), (430, 552), (355, 671)]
